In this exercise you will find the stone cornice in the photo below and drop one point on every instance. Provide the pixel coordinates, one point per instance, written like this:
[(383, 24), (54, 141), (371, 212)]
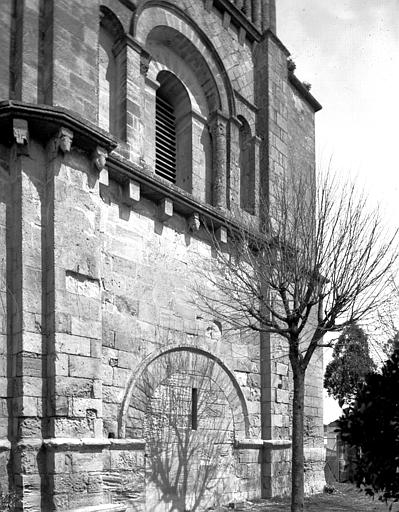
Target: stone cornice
[(240, 19), (271, 35), (45, 121), (304, 92), (155, 188), (247, 103)]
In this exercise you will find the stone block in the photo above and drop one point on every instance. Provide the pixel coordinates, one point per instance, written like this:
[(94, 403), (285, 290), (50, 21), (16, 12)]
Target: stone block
[(165, 209), (282, 395), (87, 462), (84, 367), (70, 344), (85, 327), (132, 192), (79, 407)]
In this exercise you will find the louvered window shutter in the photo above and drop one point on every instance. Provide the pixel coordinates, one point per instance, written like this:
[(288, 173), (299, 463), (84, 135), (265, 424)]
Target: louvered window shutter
[(165, 140)]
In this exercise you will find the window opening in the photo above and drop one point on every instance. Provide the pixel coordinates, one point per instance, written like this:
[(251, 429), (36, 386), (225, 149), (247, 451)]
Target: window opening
[(165, 139), (247, 169), (194, 409)]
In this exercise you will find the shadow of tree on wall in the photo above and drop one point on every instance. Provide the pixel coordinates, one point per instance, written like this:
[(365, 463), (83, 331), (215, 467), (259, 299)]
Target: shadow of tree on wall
[(189, 431)]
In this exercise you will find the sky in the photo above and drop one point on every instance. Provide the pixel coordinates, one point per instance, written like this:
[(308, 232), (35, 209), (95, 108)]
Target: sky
[(349, 51)]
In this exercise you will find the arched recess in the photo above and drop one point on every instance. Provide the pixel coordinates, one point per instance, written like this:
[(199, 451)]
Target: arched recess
[(199, 366), (176, 44), (189, 409), (199, 50), (173, 131), (111, 78), (195, 176), (247, 167)]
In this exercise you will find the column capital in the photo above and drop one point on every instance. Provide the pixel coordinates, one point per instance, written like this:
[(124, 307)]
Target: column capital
[(218, 116), (145, 56)]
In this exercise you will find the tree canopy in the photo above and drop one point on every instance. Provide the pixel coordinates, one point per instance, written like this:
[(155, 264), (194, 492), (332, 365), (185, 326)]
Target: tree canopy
[(351, 362), (371, 425)]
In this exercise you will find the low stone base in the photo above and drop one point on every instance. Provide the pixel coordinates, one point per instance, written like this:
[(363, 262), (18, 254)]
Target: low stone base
[(102, 508)]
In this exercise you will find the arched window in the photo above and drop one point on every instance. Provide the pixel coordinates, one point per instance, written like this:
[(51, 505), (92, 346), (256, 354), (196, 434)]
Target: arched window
[(110, 76), (173, 131), (247, 167)]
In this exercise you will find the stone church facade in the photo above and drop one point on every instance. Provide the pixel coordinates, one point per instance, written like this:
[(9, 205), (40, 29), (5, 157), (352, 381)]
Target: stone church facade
[(126, 126)]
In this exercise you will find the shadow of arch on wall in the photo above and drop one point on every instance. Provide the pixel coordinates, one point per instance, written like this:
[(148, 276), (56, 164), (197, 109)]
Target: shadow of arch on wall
[(160, 366)]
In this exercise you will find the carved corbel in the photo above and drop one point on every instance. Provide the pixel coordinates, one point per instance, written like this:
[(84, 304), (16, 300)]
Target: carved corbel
[(99, 160), (194, 222), (63, 140), (21, 135), (145, 60)]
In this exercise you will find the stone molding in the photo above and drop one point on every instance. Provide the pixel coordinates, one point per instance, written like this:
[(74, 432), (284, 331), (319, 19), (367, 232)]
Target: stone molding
[(151, 358), (70, 443), (110, 507), (252, 444), (304, 91), (154, 188), (252, 32), (246, 102), (45, 122), (276, 444)]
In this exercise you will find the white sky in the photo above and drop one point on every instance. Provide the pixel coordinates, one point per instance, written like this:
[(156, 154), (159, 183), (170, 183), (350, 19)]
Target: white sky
[(349, 51)]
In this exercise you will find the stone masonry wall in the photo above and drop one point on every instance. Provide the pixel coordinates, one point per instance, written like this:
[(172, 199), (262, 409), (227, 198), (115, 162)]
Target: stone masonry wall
[(115, 388), (122, 276), (4, 304)]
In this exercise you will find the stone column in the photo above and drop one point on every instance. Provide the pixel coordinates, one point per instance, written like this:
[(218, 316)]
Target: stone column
[(25, 53), (255, 151), (256, 13), (268, 15), (218, 126), (248, 8), (75, 441), (235, 181), (26, 357)]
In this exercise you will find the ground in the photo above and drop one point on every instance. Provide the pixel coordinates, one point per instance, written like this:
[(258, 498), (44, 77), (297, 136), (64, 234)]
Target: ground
[(346, 498)]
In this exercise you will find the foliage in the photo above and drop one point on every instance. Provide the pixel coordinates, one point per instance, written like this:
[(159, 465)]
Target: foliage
[(371, 425), (351, 362), (8, 501), (391, 344)]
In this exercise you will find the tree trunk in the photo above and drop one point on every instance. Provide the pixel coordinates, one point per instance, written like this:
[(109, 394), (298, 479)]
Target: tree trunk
[(297, 492)]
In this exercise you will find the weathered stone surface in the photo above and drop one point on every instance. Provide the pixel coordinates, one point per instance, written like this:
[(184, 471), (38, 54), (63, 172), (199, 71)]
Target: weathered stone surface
[(101, 338)]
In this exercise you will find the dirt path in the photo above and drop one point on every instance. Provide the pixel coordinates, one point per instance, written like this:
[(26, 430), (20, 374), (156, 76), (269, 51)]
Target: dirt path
[(345, 499)]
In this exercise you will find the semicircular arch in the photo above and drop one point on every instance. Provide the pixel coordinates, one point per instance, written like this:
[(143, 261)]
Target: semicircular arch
[(159, 366), (111, 22), (198, 50)]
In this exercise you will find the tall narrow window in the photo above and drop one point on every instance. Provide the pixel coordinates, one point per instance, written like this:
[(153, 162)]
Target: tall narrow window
[(173, 131), (165, 138), (247, 168), (194, 409), (107, 82)]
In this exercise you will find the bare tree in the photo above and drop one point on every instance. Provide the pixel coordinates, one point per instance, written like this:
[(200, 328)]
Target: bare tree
[(316, 260)]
